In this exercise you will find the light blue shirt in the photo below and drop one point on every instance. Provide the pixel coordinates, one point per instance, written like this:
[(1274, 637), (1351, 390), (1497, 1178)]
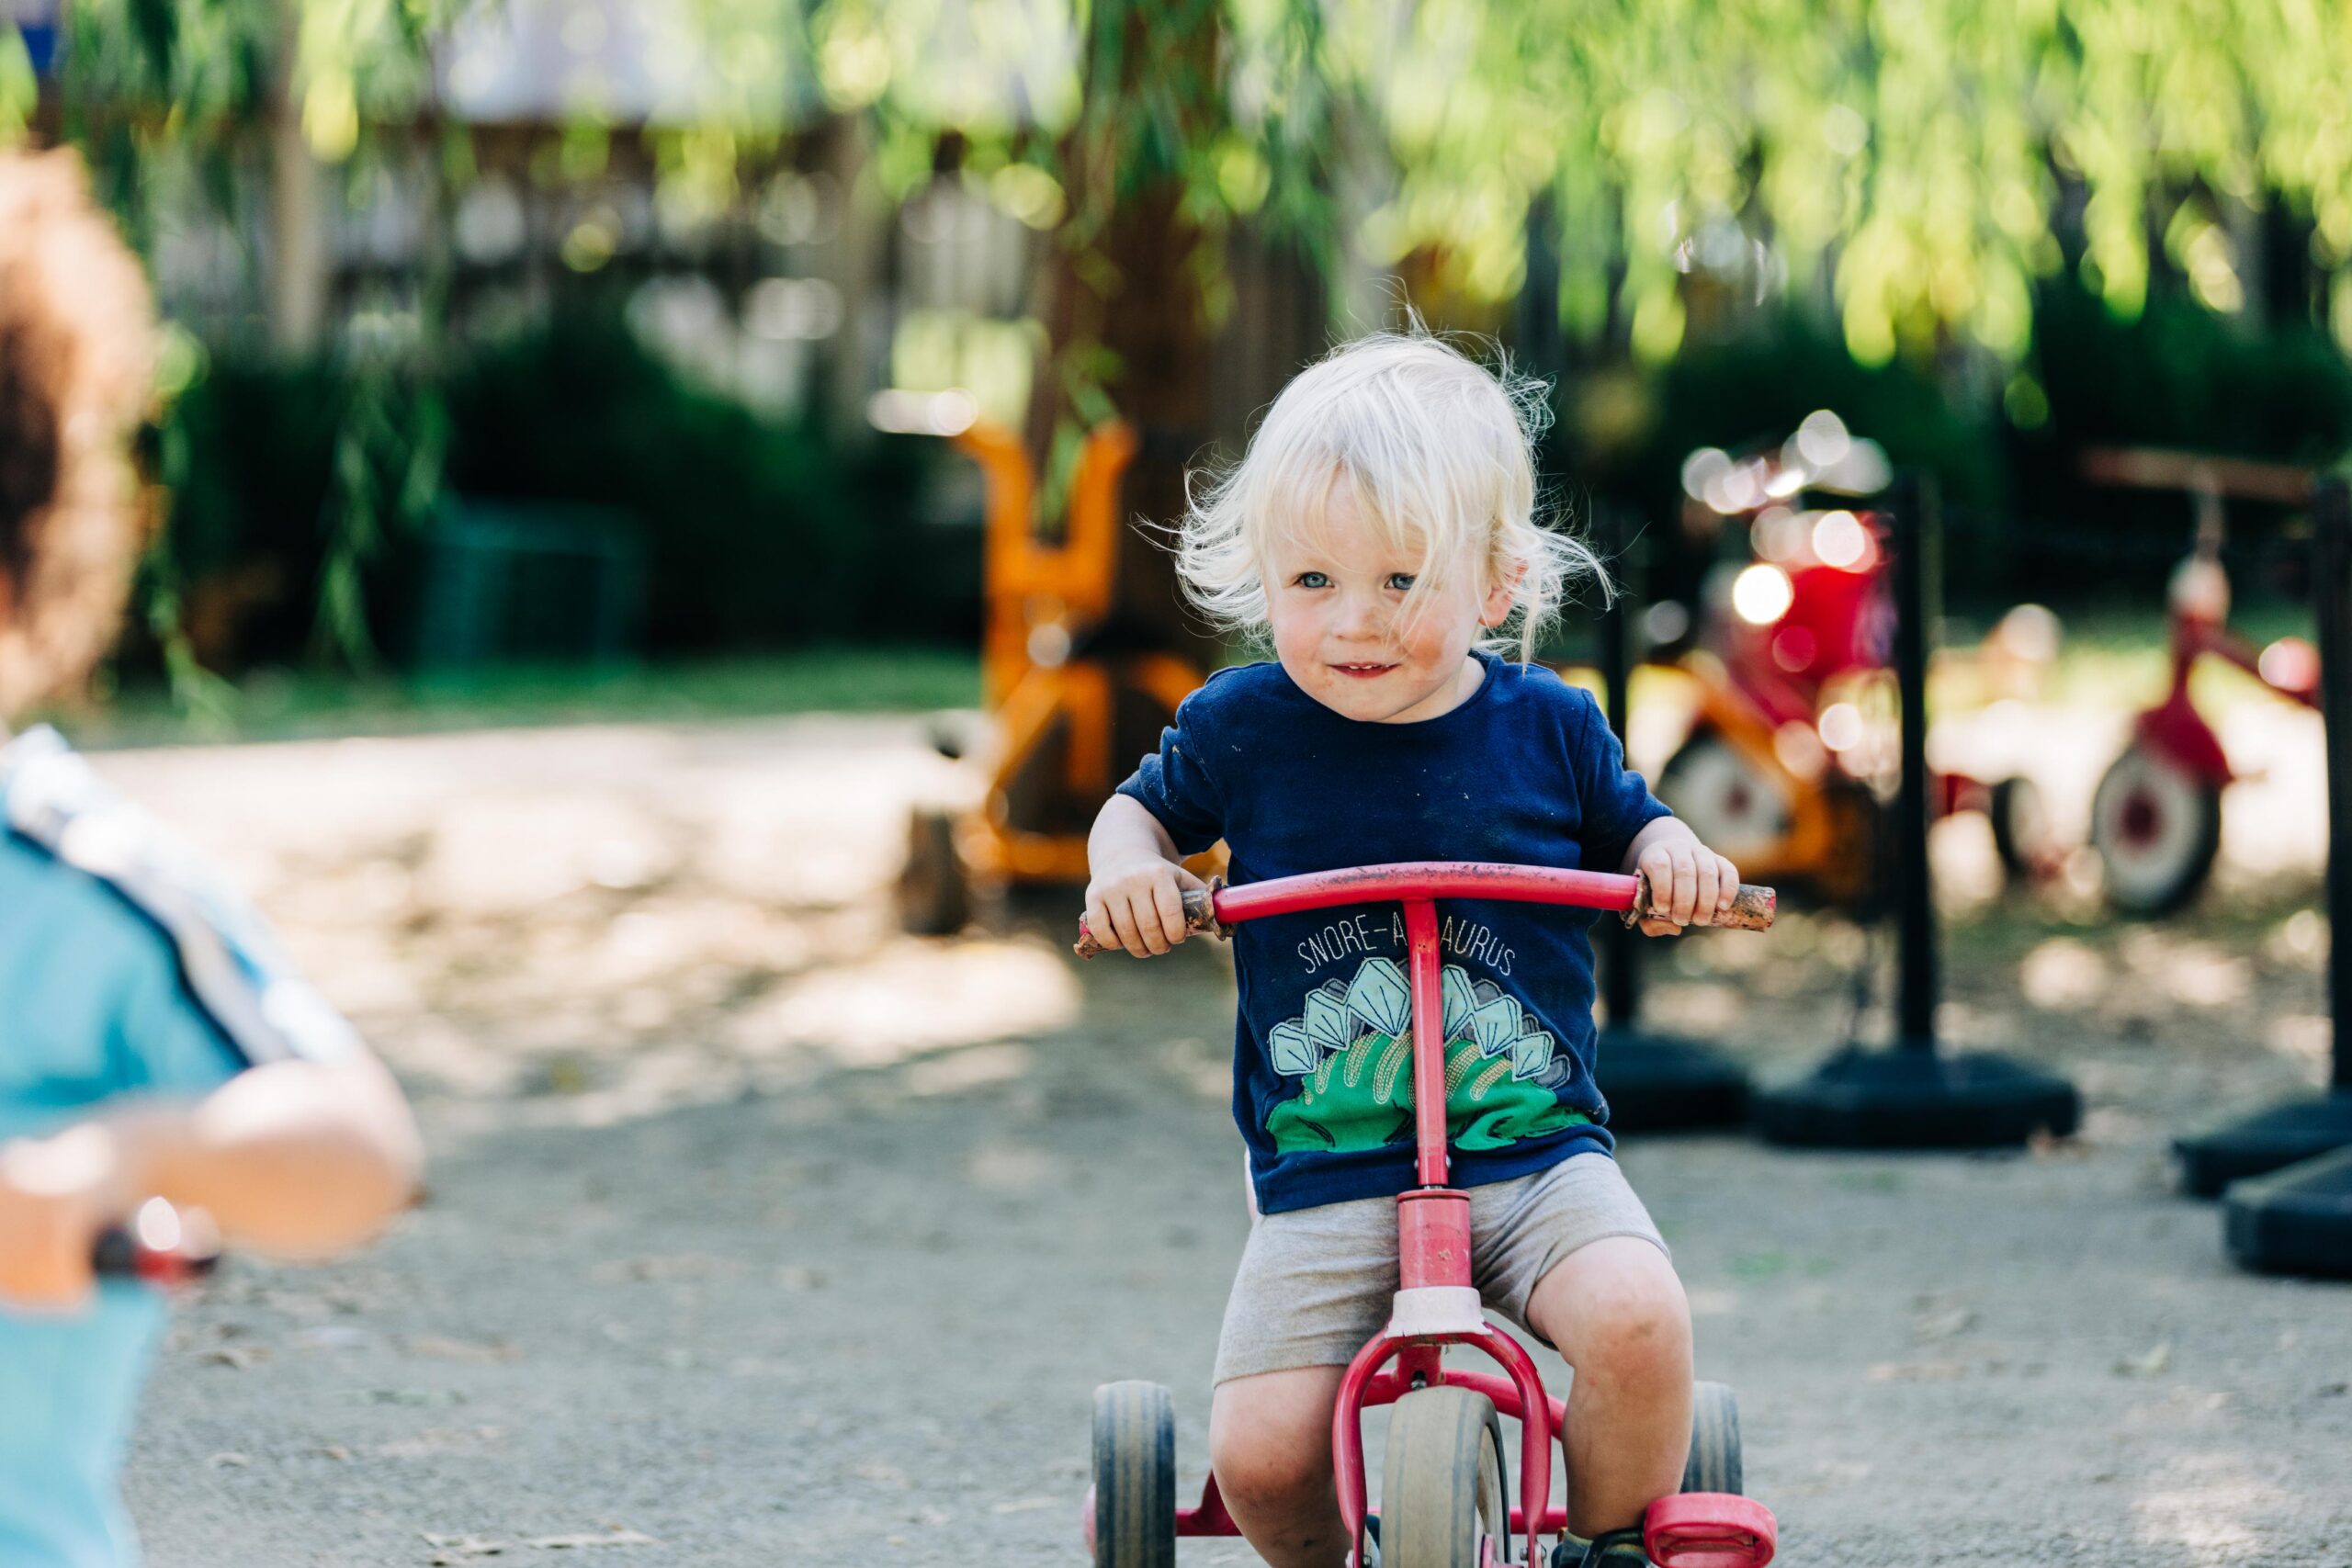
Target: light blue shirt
[(109, 932)]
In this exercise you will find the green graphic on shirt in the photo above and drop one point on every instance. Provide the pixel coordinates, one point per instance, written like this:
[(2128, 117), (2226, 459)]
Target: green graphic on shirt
[(1352, 1046)]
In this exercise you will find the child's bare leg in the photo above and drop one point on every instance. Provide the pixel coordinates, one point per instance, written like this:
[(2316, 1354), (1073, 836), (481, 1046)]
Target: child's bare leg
[(1270, 1443), (1618, 1314)]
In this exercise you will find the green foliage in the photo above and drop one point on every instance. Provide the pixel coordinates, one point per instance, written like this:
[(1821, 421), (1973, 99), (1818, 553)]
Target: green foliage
[(758, 536), (1753, 390), (2179, 376), (1915, 152), (1939, 173)]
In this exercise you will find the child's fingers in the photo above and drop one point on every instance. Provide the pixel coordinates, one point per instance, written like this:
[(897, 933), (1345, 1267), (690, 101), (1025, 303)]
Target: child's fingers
[(1106, 920), (1728, 887), (1657, 868), (1154, 938), (1143, 918), (1169, 899), (1685, 884), (1653, 926), (1703, 876), (1123, 925)]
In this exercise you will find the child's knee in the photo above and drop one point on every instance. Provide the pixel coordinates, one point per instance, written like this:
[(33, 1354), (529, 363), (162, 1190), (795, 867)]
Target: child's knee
[(1622, 1317), (1643, 1338), (1270, 1440)]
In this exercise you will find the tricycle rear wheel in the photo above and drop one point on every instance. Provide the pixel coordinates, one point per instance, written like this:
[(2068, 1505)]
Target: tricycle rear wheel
[(2156, 826), (1135, 1476), (1441, 1493), (1715, 1463)]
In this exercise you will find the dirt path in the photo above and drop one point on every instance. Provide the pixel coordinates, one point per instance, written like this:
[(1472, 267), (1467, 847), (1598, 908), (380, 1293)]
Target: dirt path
[(758, 1235)]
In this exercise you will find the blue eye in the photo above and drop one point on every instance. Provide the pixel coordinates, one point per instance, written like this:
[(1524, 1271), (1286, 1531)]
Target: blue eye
[(1311, 580), (1401, 582)]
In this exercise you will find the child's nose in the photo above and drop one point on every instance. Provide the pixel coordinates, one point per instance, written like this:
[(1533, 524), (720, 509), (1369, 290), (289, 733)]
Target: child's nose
[(1363, 615)]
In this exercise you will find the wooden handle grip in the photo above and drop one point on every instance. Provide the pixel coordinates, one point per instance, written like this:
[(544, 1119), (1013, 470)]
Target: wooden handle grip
[(1200, 916), (1752, 906)]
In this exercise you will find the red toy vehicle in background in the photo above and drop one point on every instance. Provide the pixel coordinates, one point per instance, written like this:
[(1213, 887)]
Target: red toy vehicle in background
[(2156, 819), (1788, 738), (1445, 1498)]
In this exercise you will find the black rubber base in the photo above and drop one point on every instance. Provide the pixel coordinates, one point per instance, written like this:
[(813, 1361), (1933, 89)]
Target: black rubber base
[(2285, 1135), (1656, 1083), (2295, 1220), (1909, 1099)]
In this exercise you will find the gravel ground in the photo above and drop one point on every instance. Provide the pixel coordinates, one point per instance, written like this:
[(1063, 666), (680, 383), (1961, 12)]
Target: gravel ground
[(757, 1234)]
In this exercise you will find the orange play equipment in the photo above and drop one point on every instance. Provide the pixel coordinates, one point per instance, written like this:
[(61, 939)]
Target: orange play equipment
[(1074, 691)]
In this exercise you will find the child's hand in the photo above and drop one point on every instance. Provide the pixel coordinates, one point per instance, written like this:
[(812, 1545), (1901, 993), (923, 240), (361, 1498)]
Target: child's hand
[(1689, 885), (56, 1195), (1140, 905)]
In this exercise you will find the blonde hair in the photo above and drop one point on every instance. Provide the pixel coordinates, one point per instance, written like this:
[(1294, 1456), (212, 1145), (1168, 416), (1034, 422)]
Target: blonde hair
[(1439, 452)]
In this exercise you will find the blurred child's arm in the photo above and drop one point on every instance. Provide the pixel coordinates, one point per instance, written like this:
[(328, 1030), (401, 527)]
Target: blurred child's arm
[(1135, 895), (1689, 883), (292, 1158)]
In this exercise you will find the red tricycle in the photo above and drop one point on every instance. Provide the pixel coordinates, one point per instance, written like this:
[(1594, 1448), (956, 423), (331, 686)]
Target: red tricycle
[(1445, 1495), (2156, 818), (1776, 772)]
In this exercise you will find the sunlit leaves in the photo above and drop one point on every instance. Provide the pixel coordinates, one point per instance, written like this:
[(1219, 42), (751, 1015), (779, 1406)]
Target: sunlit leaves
[(1909, 159), (1916, 148)]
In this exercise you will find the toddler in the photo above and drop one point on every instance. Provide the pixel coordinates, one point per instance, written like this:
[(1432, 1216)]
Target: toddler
[(1381, 532)]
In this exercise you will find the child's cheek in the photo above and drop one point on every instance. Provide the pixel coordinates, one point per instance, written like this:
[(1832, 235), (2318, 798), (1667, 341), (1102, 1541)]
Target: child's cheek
[(1295, 637)]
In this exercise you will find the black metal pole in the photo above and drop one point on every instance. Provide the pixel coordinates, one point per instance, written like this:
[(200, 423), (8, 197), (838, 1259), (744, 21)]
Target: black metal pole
[(2331, 590), (2297, 1130), (1654, 1083), (2289, 1207), (1912, 1096), (1621, 986), (1917, 585)]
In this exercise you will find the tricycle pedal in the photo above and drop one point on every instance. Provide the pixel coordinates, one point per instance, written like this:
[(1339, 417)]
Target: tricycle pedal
[(1709, 1529)]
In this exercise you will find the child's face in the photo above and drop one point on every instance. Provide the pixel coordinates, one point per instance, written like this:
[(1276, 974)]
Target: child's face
[(1336, 598)]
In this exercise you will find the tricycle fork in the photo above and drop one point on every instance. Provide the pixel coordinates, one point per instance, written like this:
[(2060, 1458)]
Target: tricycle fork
[(1418, 1366)]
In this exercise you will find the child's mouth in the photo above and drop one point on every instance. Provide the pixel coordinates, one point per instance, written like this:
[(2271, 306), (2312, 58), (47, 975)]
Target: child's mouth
[(1363, 671)]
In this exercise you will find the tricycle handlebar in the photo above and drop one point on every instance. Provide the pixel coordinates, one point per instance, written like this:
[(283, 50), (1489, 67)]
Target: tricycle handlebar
[(162, 1246), (1209, 910)]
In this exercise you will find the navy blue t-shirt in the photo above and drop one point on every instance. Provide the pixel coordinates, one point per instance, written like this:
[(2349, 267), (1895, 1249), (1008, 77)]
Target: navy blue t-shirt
[(1526, 772)]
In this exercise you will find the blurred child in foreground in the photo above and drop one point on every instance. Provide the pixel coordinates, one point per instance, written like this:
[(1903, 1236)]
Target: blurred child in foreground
[(152, 1042)]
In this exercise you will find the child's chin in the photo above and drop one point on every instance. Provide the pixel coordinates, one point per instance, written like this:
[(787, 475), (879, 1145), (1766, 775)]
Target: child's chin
[(1359, 699)]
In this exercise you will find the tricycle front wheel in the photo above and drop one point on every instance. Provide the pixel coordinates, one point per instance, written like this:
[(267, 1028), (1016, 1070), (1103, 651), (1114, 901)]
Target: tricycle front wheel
[(1441, 1494), (1134, 1522)]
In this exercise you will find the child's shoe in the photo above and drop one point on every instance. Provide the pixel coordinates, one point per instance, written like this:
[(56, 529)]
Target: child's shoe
[(1610, 1549)]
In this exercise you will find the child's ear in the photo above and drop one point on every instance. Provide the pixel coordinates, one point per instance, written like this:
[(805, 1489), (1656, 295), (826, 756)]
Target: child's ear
[(1502, 594)]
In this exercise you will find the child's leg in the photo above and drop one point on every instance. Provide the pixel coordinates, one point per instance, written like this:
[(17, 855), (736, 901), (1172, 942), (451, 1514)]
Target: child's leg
[(1617, 1313), (1313, 1286), (1270, 1443)]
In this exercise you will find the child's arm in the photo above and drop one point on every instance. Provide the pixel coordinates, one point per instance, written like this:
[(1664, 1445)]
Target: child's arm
[(1136, 896), (293, 1158), (1693, 885)]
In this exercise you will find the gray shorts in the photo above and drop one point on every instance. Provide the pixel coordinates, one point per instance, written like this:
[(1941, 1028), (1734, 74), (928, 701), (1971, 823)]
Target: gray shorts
[(1315, 1283)]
